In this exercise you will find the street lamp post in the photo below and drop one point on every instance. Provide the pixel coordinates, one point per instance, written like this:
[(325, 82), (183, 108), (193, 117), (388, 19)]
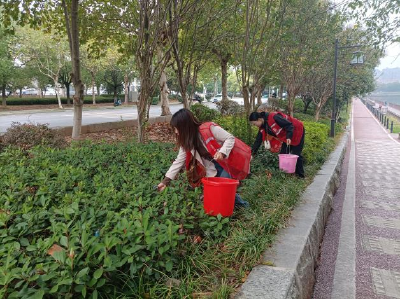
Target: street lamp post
[(358, 59), (333, 118)]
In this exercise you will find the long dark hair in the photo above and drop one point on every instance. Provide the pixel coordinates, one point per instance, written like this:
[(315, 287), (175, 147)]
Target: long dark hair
[(188, 128)]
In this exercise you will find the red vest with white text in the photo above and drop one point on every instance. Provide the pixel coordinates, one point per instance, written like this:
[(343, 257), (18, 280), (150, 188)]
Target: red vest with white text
[(238, 162), (280, 133)]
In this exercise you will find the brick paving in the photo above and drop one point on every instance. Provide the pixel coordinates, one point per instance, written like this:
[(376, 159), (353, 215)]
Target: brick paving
[(373, 269)]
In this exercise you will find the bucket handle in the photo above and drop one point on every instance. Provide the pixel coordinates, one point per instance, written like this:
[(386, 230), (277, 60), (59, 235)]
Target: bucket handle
[(288, 149)]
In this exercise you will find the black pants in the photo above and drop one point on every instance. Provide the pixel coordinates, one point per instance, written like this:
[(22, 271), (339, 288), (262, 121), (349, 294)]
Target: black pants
[(296, 150)]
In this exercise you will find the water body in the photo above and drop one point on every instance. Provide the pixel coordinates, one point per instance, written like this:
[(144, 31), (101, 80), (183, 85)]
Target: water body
[(390, 97)]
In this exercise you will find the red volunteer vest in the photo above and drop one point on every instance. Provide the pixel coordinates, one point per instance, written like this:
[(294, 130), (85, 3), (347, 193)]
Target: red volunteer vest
[(274, 142), (280, 133), (238, 162)]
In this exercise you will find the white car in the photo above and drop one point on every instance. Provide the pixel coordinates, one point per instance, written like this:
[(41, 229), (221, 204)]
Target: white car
[(218, 98)]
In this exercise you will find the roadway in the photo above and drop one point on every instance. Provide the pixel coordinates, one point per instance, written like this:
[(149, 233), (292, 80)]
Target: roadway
[(64, 118)]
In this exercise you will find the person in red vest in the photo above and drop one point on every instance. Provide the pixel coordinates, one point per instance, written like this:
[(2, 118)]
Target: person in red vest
[(288, 130), (191, 144)]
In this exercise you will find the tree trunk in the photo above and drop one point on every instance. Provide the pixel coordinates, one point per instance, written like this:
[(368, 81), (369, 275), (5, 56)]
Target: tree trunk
[(215, 86), (290, 104), (164, 94), (247, 104), (224, 78), (318, 111), (72, 22), (259, 95), (126, 89), (306, 105), (3, 95), (115, 93), (68, 93), (98, 89), (20, 92), (57, 92), (280, 91), (142, 108), (93, 86)]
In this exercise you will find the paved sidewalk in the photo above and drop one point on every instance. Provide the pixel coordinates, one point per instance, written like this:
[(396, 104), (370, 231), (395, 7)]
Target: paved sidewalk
[(360, 254)]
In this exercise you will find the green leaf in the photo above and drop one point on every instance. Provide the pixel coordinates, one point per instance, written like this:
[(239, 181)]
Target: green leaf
[(94, 294), (38, 295), (64, 241), (83, 272), (168, 266), (97, 274), (100, 283), (24, 242), (84, 292), (54, 289)]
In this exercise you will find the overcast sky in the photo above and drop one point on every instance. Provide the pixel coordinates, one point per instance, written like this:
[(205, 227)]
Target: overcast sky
[(392, 58)]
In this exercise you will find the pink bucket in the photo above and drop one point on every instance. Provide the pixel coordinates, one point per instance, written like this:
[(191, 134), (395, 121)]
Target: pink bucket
[(287, 162)]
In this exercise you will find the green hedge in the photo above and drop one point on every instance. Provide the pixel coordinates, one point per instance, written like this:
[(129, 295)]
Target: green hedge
[(204, 113), (111, 227), (52, 101), (87, 221), (316, 143)]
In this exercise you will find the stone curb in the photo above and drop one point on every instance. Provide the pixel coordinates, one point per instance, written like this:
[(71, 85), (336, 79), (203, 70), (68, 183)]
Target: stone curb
[(295, 251), (93, 128)]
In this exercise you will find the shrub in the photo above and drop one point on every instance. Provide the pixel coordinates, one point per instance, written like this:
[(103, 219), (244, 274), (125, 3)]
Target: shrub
[(26, 136), (155, 100), (82, 220), (238, 126), (53, 101), (316, 143), (229, 107), (175, 97), (204, 113)]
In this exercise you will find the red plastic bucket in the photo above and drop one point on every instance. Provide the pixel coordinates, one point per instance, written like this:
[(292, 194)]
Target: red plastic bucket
[(219, 195), (287, 162)]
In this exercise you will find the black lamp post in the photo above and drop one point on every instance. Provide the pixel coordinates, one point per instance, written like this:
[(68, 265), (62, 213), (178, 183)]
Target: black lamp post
[(358, 58)]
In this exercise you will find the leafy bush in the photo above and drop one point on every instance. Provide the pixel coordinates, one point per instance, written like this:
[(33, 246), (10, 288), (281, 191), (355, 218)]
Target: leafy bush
[(83, 221), (53, 101), (204, 113), (155, 100), (238, 126), (229, 107), (175, 97), (26, 136), (316, 143)]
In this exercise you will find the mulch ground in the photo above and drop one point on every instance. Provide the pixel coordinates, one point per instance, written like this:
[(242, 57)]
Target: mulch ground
[(159, 132)]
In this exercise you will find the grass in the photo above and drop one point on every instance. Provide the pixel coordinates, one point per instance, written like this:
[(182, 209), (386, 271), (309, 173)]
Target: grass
[(396, 123)]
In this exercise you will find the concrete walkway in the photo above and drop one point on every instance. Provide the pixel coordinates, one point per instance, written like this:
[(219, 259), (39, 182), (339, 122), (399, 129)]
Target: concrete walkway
[(360, 253)]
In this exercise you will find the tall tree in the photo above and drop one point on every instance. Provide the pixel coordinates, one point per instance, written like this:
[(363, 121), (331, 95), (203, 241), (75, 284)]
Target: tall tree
[(65, 79), (6, 65), (259, 24), (38, 49)]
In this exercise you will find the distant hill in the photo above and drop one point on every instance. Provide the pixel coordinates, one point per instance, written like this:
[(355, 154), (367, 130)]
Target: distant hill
[(387, 76)]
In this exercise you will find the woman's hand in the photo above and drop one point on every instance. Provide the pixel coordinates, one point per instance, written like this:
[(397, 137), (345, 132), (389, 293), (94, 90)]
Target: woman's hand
[(219, 156), (161, 187), (288, 141)]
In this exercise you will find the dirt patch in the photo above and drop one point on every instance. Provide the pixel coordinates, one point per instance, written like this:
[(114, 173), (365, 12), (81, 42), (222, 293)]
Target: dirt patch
[(159, 132)]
